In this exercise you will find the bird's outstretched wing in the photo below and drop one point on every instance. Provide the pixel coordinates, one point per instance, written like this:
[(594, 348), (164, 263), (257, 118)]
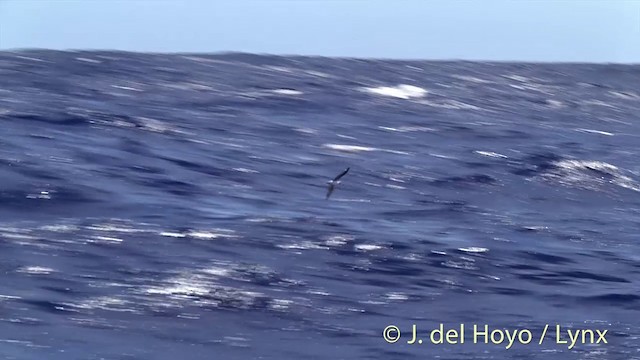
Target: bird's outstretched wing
[(341, 175), (334, 182), (329, 190)]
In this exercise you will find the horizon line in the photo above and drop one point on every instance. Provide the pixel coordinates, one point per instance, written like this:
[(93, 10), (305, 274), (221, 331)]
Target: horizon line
[(232, 52)]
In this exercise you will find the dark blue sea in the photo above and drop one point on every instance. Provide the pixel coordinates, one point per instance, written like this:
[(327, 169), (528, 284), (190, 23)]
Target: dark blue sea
[(172, 206)]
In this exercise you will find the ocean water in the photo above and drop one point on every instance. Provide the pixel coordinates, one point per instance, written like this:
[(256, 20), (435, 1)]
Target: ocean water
[(162, 207)]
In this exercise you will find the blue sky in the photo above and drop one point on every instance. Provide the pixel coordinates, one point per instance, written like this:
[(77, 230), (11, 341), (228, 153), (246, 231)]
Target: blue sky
[(525, 30)]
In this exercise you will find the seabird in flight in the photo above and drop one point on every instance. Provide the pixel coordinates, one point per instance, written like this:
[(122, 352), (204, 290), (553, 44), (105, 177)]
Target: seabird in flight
[(334, 182)]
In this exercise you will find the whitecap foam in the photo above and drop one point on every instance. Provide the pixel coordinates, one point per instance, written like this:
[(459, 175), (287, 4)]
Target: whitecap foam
[(474, 249), (585, 164), (36, 270), (339, 240), (128, 88), (554, 104), (397, 187), (59, 228), (105, 303), (490, 154), (279, 68), (304, 245), (287, 92), (93, 61), (114, 228), (318, 74), (210, 235), (367, 247), (245, 170), (107, 239), (406, 128), (396, 296), (349, 148), (180, 289), (153, 125), (472, 79), (590, 175), (402, 91), (204, 284), (600, 132), (357, 148), (31, 58), (280, 304), (306, 130), (172, 234)]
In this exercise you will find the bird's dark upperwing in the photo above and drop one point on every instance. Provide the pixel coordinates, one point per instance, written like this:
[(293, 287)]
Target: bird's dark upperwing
[(329, 191), (341, 175)]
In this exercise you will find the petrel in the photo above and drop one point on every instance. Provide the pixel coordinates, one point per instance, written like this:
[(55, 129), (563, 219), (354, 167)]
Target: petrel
[(334, 182)]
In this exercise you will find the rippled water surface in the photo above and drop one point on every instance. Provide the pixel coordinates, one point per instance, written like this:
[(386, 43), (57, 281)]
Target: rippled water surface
[(173, 206)]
